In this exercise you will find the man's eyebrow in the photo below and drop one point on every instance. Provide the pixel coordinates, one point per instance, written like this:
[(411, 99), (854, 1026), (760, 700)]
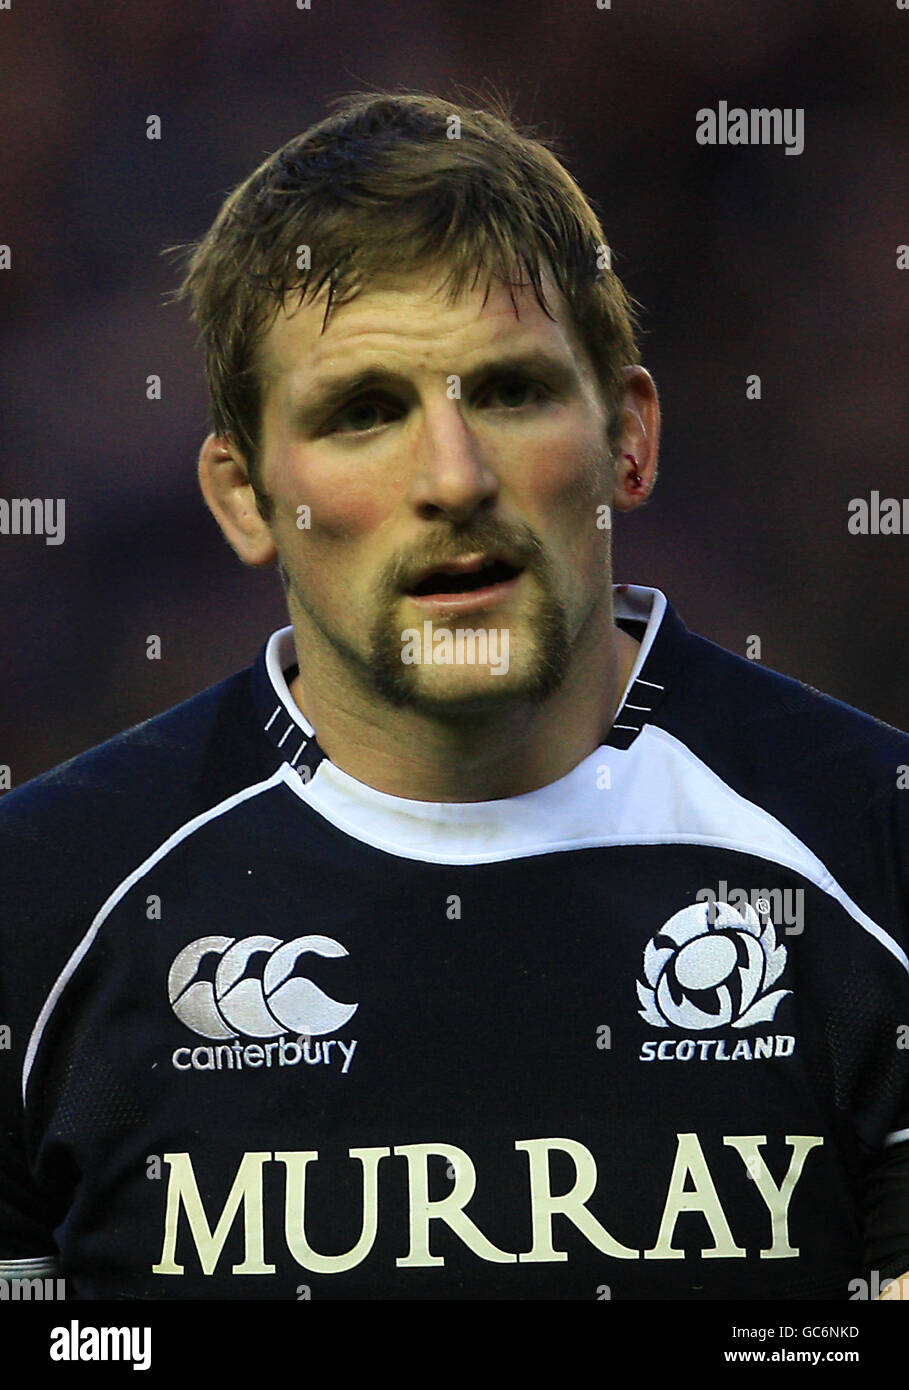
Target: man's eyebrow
[(328, 393)]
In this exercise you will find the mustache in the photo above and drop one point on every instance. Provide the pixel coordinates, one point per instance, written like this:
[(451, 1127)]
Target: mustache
[(520, 544)]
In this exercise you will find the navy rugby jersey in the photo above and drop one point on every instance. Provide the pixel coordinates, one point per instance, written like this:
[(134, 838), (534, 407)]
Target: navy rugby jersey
[(642, 1033)]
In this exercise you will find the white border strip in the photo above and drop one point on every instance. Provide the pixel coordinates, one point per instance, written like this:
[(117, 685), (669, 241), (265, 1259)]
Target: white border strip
[(36, 1267), (120, 892), (633, 605), (280, 649)]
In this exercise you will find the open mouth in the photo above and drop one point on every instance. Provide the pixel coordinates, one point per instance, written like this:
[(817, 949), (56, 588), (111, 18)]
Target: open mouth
[(445, 580)]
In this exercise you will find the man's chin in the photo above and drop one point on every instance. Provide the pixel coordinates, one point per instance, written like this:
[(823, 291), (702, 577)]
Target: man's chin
[(464, 695), (470, 670)]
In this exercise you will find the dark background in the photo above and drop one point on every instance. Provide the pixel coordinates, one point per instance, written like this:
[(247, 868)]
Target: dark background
[(745, 259)]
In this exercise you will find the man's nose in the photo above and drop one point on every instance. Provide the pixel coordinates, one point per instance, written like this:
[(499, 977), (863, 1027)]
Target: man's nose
[(452, 473)]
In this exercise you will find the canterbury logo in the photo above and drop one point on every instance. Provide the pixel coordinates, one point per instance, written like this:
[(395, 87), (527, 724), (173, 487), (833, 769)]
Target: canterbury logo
[(703, 974), (255, 990)]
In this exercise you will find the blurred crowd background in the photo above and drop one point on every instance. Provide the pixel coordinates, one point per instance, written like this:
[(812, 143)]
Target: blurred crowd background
[(744, 259)]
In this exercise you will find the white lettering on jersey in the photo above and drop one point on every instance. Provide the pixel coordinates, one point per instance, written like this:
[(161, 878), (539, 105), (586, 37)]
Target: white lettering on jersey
[(183, 1191), (689, 1163), (544, 1206), (777, 1198), (295, 1208), (449, 1209)]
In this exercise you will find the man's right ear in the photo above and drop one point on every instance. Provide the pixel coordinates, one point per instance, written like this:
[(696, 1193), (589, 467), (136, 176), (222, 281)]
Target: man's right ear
[(224, 480)]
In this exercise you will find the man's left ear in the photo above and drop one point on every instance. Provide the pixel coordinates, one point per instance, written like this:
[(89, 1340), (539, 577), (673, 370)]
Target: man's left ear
[(636, 467), (224, 480)]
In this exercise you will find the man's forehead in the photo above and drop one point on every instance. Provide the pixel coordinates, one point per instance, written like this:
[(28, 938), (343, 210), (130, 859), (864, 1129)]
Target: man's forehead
[(413, 311)]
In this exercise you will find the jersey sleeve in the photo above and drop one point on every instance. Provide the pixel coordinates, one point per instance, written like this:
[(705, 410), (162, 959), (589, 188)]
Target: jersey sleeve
[(27, 1247), (25, 1234), (886, 1203), (887, 1212), (32, 887)]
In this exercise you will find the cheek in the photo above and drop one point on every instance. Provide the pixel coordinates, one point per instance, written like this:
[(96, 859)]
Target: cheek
[(343, 504), (566, 481)]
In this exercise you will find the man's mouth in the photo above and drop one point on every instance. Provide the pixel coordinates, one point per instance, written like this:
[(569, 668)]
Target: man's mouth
[(464, 577)]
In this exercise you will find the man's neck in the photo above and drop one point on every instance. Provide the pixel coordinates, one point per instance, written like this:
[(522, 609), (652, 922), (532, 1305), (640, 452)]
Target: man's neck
[(405, 753)]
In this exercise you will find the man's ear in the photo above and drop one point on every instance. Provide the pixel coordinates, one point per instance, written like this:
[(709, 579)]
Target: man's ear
[(224, 480), (636, 466)]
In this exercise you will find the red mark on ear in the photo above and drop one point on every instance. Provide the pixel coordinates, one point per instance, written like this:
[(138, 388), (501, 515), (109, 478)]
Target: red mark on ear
[(636, 479)]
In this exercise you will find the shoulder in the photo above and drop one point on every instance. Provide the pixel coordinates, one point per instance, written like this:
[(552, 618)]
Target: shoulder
[(111, 805), (69, 837), (834, 776), (740, 704)]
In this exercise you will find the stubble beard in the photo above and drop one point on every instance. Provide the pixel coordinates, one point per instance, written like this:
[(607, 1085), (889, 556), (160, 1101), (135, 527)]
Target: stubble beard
[(402, 686), (381, 671)]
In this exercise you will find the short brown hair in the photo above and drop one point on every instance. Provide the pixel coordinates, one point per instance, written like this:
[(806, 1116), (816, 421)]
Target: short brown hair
[(386, 186)]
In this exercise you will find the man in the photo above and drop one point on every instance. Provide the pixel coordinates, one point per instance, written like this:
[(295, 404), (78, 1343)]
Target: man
[(493, 936)]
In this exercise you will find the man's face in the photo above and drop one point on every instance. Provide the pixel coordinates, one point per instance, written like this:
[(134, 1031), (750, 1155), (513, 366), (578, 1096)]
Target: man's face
[(455, 453)]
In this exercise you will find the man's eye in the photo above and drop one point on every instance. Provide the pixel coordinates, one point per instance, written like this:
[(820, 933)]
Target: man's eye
[(359, 413), (511, 386)]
